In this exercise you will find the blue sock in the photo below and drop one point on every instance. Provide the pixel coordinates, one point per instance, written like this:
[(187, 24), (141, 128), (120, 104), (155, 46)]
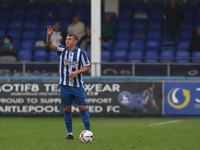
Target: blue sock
[(85, 118), (68, 120)]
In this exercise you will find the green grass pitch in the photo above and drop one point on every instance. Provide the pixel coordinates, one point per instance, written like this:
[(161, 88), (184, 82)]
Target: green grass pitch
[(109, 134)]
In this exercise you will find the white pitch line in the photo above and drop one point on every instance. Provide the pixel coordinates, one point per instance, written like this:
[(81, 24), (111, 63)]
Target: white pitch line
[(163, 123)]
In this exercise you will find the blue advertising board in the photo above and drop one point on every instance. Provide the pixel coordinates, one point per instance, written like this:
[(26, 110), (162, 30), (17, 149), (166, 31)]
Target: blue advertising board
[(182, 98)]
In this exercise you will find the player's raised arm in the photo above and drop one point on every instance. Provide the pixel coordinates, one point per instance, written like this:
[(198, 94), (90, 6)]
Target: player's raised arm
[(49, 43)]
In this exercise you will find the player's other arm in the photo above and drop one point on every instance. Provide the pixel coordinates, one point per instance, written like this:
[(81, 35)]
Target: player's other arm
[(83, 70), (49, 43)]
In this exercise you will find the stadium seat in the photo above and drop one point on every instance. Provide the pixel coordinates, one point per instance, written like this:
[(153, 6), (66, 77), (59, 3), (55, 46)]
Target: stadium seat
[(81, 14), (187, 25), (31, 25), (152, 45), (34, 6), (45, 23), (165, 35), (16, 24), (189, 15), (5, 15), (124, 25), (40, 56), (105, 56), (135, 56), (18, 15), (139, 24), (155, 25), (15, 34), (80, 6), (156, 6), (123, 35), (48, 14), (2, 34), (33, 15), (140, 14), (64, 25), (196, 56), (186, 35), (141, 6), (137, 45), (121, 44), (138, 35), (183, 44), (50, 5), (3, 24), (17, 43), (168, 43), (29, 34), (151, 56), (24, 55), (106, 45), (119, 56), (182, 56), (27, 45), (65, 6), (125, 15), (53, 56), (41, 35), (124, 5), (64, 15), (156, 15), (19, 5), (188, 6), (167, 56), (153, 35)]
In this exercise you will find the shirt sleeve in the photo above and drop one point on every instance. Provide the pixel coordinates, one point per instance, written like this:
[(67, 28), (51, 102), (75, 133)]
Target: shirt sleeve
[(84, 59), (60, 49)]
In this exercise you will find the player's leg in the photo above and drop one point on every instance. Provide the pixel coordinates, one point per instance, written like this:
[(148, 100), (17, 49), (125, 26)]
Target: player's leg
[(85, 116), (66, 103)]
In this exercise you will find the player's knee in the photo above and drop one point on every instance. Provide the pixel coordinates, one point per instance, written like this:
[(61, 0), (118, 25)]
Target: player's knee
[(67, 108), (81, 107)]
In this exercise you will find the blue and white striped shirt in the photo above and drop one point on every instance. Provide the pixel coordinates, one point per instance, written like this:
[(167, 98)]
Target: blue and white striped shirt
[(71, 61)]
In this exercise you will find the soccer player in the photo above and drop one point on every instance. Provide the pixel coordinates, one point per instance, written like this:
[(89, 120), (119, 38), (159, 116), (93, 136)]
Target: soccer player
[(73, 62)]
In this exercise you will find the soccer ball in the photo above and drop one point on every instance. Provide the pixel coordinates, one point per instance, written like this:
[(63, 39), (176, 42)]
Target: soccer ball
[(86, 136)]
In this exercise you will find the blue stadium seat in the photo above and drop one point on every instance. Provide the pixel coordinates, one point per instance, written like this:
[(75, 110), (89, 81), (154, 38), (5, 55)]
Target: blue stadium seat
[(29, 35), (153, 35), (123, 35), (137, 45), (19, 5), (135, 56), (5, 15), (65, 6), (197, 24), (15, 34), (48, 14), (107, 45), (151, 56), (139, 24), (41, 35), (105, 56), (125, 15), (64, 25), (156, 6), (81, 14), (165, 35), (182, 56), (189, 15), (188, 6), (140, 14), (187, 25), (121, 44), (50, 5), (119, 56), (34, 6), (64, 15), (6, 6), (31, 25), (155, 25), (17, 43), (27, 45), (3, 24), (40, 56), (167, 56), (186, 35), (53, 56), (18, 15), (16, 24), (196, 56), (156, 15), (24, 55), (45, 23), (124, 5), (152, 45), (80, 6), (124, 25), (168, 43), (138, 35), (2, 34), (183, 45), (33, 15), (141, 6)]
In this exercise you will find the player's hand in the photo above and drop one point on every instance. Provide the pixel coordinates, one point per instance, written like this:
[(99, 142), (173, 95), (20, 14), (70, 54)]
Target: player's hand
[(73, 74), (50, 30)]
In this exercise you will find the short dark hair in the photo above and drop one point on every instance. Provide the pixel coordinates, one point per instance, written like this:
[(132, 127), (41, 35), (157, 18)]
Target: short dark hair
[(74, 35), (9, 37)]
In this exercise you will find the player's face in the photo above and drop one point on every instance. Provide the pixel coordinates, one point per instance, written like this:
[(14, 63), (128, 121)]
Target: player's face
[(70, 41)]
